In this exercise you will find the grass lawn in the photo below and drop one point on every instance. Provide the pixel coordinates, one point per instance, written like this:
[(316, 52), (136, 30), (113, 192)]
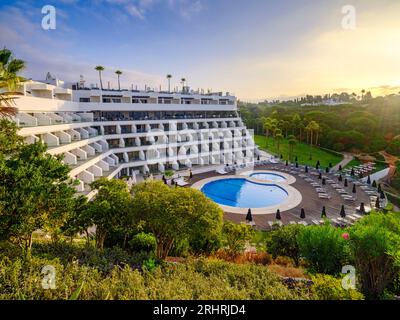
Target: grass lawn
[(301, 150)]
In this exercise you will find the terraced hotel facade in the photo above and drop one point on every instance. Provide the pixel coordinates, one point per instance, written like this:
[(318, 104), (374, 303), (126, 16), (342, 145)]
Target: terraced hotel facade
[(116, 133)]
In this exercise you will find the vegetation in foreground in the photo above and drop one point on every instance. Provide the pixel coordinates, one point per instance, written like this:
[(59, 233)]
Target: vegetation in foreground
[(139, 229)]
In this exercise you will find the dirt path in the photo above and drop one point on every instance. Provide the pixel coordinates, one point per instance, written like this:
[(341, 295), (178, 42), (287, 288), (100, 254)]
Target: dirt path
[(347, 158)]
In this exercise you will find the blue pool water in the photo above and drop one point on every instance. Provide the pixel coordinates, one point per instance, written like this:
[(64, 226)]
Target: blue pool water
[(242, 193), (268, 176)]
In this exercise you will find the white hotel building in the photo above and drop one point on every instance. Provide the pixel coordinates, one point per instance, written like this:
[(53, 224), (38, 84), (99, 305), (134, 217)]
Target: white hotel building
[(114, 133)]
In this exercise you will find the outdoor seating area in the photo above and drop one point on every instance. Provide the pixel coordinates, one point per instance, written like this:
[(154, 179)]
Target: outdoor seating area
[(361, 170), (338, 193)]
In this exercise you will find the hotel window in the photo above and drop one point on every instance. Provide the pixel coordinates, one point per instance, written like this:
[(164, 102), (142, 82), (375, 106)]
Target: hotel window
[(84, 99), (106, 100)]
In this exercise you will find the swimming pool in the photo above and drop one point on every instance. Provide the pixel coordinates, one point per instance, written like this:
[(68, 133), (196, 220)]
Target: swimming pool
[(242, 193), (268, 176)]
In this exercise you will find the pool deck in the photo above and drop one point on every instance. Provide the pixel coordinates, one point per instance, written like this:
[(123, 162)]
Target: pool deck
[(311, 203)]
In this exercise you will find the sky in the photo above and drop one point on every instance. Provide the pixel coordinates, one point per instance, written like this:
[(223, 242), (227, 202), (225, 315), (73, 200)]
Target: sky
[(255, 49)]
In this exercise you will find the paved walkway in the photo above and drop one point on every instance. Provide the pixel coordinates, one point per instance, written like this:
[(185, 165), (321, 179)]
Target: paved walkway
[(347, 158)]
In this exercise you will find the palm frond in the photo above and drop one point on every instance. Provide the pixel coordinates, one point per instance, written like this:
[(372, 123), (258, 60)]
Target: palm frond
[(7, 106)]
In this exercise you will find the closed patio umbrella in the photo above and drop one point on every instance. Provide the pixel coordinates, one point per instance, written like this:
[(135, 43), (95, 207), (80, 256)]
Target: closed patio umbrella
[(374, 184), (362, 208), (249, 216), (346, 183), (297, 164), (323, 213), (326, 170), (382, 195), (340, 178), (306, 169), (296, 159), (369, 180), (190, 174), (318, 163), (320, 176), (377, 203), (302, 214), (278, 214), (342, 212), (323, 181), (354, 189), (352, 173), (340, 167), (287, 163)]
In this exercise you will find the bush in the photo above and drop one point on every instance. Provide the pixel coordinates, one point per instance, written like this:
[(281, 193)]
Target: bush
[(324, 248), (375, 244), (236, 236), (284, 242), (145, 242), (326, 287), (196, 279)]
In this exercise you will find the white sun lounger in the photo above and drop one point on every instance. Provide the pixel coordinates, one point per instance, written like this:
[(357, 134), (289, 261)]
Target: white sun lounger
[(221, 171), (324, 196)]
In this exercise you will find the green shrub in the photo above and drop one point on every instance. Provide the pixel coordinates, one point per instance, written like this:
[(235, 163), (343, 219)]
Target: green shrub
[(145, 242), (195, 279), (284, 242), (236, 236), (324, 248), (375, 244), (326, 287)]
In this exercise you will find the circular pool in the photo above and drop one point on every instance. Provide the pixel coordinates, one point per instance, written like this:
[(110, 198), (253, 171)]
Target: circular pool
[(268, 176), (242, 193)]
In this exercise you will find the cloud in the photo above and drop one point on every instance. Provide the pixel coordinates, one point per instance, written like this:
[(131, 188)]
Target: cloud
[(186, 8), (134, 11), (44, 52)]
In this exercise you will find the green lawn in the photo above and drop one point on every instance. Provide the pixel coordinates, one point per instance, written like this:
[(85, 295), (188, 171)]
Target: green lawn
[(355, 162), (301, 150)]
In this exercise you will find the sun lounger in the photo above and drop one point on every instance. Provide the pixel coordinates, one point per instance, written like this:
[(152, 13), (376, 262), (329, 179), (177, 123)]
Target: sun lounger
[(316, 222), (270, 223), (292, 222), (303, 223), (221, 171), (351, 217), (324, 196), (344, 221)]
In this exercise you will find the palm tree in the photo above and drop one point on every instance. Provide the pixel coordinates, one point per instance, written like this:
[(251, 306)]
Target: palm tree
[(269, 126), (118, 73), (278, 139), (9, 80), (169, 77), (183, 82), (100, 69), (362, 94), (312, 127), (292, 143)]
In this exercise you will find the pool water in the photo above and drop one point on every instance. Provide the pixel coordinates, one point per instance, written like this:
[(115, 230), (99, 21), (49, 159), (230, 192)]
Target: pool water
[(242, 193), (268, 176)]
